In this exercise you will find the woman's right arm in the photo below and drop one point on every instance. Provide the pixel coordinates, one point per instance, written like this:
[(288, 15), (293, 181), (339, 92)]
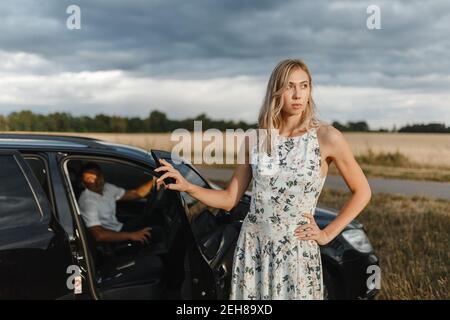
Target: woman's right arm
[(222, 199), (228, 198)]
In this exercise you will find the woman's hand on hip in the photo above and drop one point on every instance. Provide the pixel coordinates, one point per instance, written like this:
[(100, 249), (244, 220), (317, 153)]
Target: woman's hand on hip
[(311, 231)]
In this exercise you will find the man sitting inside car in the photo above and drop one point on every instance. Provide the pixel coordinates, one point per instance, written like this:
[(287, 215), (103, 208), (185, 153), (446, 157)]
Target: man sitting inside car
[(98, 208)]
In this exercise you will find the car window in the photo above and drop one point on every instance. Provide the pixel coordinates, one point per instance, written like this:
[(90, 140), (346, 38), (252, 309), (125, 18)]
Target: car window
[(191, 176), (37, 165), (120, 176), (21, 217)]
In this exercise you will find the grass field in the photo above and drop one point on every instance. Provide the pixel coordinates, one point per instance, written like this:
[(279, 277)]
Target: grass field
[(430, 150), (411, 236), (413, 156)]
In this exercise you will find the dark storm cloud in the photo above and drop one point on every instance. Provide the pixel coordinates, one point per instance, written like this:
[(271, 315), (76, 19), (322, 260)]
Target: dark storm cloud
[(200, 39), (215, 56)]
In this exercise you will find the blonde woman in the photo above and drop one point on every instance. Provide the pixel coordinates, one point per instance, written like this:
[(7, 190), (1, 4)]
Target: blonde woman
[(277, 254)]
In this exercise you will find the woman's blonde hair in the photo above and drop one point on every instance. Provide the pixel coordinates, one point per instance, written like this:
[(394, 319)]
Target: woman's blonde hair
[(270, 113)]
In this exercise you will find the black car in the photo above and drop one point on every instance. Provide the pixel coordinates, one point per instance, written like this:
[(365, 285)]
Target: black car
[(46, 251)]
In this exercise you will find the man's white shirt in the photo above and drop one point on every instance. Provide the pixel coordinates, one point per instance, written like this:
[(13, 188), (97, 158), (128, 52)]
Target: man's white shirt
[(100, 210)]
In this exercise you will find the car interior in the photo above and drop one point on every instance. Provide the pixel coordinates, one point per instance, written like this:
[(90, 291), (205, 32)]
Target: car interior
[(131, 270)]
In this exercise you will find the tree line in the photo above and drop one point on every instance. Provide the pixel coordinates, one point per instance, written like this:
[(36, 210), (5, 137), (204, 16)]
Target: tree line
[(158, 121), (65, 122)]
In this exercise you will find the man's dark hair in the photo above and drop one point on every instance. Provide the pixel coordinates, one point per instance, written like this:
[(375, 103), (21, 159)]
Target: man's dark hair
[(91, 166)]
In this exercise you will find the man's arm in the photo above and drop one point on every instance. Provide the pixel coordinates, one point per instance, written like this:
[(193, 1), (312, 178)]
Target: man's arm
[(101, 234), (139, 192)]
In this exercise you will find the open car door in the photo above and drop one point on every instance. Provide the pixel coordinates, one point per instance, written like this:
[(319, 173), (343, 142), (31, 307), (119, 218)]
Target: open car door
[(215, 231)]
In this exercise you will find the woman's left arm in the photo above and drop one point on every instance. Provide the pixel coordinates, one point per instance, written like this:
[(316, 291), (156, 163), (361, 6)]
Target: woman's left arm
[(341, 154)]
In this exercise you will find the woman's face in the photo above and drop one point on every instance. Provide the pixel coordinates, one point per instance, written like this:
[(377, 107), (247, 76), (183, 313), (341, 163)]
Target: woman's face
[(297, 93)]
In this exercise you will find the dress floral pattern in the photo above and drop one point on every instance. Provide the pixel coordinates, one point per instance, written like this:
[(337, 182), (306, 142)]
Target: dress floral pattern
[(269, 261)]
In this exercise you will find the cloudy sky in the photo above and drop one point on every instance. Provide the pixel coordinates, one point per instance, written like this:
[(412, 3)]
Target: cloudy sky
[(215, 56)]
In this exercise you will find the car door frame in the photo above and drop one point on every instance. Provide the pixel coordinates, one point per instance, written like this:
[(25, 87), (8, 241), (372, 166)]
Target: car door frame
[(85, 255)]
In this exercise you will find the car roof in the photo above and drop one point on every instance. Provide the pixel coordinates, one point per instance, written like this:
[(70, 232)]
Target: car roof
[(46, 140), (66, 143), (63, 143)]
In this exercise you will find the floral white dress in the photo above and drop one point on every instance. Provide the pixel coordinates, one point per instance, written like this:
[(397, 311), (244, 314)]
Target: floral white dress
[(269, 261)]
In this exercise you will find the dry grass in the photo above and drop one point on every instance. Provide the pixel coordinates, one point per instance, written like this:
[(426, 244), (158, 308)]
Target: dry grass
[(414, 156), (411, 236), (411, 173), (426, 149), (429, 149)]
